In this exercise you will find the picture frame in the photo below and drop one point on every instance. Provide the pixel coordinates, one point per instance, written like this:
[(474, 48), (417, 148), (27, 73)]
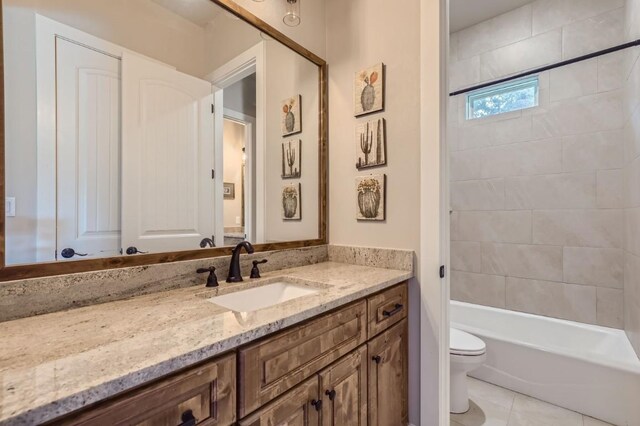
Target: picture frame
[(291, 159), (292, 202), (229, 190), (371, 144), (369, 90), (291, 115), (371, 195)]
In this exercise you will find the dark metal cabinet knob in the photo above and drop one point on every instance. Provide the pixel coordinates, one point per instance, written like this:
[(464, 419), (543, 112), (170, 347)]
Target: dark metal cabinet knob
[(188, 419), (331, 394), (68, 253), (317, 404), (377, 359)]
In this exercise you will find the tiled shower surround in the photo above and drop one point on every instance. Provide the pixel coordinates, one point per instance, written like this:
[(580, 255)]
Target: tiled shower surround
[(538, 196)]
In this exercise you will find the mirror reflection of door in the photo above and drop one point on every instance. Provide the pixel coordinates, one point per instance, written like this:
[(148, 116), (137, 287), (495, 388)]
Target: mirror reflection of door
[(88, 148)]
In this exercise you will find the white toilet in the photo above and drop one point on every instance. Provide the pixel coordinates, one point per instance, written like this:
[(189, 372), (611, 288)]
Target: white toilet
[(467, 353)]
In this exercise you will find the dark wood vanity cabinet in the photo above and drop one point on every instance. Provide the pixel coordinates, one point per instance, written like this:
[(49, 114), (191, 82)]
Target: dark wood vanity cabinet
[(204, 395), (344, 368)]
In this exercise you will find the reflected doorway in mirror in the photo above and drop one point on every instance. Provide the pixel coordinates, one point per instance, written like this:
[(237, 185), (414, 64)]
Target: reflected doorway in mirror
[(291, 117), (229, 191), (291, 154), (291, 202)]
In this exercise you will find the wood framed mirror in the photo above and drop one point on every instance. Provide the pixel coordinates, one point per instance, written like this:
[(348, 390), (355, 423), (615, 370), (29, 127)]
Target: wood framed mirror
[(120, 130)]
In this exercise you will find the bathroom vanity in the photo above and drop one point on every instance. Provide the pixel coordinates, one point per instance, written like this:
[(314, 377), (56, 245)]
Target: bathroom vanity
[(338, 352)]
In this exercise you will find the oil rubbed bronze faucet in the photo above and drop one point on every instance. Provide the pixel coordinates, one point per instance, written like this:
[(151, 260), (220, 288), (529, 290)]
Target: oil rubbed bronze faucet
[(235, 276)]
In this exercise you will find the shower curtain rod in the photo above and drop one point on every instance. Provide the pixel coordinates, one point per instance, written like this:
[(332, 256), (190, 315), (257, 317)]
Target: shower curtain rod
[(549, 67)]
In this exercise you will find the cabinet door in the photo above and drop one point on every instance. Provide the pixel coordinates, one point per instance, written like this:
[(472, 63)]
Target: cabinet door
[(388, 377), (299, 407), (343, 389), (204, 395)]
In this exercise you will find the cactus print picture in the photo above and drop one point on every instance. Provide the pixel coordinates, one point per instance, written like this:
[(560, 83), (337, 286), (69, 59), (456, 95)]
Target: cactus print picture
[(291, 118), (371, 194), (291, 159), (291, 203), (369, 90), (371, 144)]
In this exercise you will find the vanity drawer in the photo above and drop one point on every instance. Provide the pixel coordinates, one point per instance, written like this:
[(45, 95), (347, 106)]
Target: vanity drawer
[(386, 309), (206, 392), (276, 364)]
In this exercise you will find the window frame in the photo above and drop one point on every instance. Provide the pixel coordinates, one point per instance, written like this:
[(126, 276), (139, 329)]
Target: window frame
[(499, 89)]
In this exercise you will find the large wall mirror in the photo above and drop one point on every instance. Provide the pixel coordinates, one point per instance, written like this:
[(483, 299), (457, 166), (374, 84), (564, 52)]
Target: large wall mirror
[(146, 131)]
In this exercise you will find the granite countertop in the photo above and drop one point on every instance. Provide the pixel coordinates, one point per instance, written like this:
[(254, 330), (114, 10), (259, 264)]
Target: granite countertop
[(53, 364)]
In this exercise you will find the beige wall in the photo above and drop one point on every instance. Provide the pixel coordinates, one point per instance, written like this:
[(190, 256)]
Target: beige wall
[(631, 75), (234, 140), (361, 33), (537, 223)]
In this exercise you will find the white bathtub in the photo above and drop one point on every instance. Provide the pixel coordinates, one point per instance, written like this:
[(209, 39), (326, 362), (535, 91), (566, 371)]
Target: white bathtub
[(586, 368)]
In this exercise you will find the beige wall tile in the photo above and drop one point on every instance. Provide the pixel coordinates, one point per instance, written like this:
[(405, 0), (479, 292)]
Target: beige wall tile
[(525, 158), (593, 266), (558, 191), (587, 114), (558, 300), (574, 80), (609, 307), (464, 73), (611, 71), (610, 189), (465, 256), (579, 228), (593, 34), (533, 52), (482, 289), (478, 195), (496, 226), (500, 31), (632, 240), (632, 183), (483, 132), (632, 300), (550, 14), (523, 261), (593, 151)]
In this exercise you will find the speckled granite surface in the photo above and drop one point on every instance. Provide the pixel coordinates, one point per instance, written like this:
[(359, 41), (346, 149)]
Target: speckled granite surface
[(25, 298), (372, 256), (53, 364)]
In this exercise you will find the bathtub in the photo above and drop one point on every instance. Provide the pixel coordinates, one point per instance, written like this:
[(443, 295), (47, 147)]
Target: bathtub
[(586, 368)]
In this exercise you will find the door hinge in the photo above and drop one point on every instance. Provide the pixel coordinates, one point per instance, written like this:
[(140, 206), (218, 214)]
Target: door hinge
[(213, 174), (443, 270), (213, 109)]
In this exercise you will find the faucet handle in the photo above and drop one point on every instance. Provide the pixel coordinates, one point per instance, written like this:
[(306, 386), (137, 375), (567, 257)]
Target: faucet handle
[(255, 272), (212, 279)]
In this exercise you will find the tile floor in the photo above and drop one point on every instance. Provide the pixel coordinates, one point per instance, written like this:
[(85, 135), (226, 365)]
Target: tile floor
[(495, 406)]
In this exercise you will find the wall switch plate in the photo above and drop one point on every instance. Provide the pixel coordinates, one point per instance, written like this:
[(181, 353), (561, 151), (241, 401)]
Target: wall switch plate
[(10, 207)]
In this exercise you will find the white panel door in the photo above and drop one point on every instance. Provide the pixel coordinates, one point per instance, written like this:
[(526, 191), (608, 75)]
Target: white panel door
[(88, 151), (167, 157)]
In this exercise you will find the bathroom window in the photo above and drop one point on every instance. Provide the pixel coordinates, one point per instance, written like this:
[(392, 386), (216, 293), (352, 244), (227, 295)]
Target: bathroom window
[(502, 98)]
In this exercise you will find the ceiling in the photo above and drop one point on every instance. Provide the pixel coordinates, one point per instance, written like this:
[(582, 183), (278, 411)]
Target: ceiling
[(464, 13), (200, 12)]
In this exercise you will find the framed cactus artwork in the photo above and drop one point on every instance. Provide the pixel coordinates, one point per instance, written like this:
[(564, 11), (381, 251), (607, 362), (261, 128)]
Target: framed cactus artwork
[(371, 148), (291, 202), (291, 117), (291, 153), (369, 90), (371, 197)]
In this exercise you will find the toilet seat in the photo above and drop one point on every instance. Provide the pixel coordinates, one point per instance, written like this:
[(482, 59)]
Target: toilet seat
[(465, 344)]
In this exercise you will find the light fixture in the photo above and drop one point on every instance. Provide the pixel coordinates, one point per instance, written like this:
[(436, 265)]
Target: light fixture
[(292, 15)]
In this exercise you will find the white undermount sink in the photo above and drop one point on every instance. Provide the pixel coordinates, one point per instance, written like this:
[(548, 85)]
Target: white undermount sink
[(262, 297)]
